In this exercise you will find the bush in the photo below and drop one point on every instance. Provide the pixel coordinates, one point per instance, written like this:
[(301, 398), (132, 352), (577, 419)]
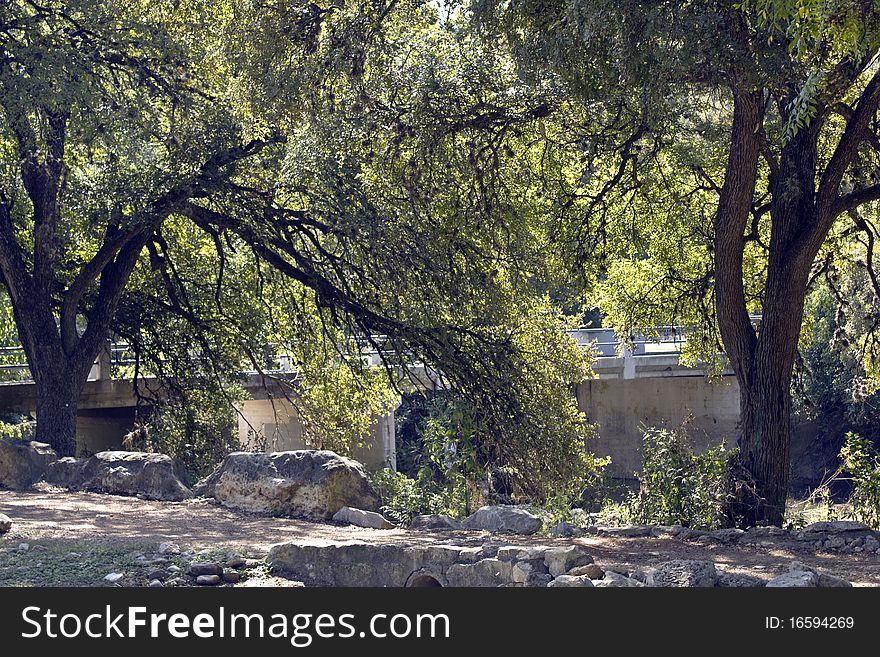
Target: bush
[(200, 430), (404, 497), (861, 461), (15, 427), (679, 486)]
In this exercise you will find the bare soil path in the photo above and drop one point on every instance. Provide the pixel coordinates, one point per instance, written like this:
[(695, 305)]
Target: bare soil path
[(56, 521)]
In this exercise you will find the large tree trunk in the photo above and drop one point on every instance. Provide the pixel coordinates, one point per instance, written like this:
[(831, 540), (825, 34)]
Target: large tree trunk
[(58, 377), (765, 419), (764, 368), (58, 390)]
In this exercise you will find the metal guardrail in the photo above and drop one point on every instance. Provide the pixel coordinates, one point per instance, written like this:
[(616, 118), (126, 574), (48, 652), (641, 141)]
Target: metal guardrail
[(664, 340)]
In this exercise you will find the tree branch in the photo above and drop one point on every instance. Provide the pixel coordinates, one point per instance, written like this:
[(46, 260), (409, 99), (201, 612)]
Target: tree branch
[(855, 133)]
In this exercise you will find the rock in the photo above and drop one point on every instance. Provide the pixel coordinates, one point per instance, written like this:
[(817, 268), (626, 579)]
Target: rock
[(5, 524), (521, 552), (473, 554), (173, 569), (23, 547), (831, 527), (731, 535), (312, 483), (157, 574), (684, 572), (737, 581), (687, 534), (590, 570), (345, 563), (22, 464), (827, 581), (616, 580), (169, 548), (632, 531), (487, 572), (151, 476), (434, 522), (208, 580), (539, 580), (204, 568), (800, 567), (766, 535), (571, 581), (503, 518), (639, 575), (235, 561), (562, 559), (619, 568), (871, 544), (799, 579), (564, 529), (524, 571), (361, 518), (834, 542), (666, 531), (231, 576), (155, 584), (113, 578)]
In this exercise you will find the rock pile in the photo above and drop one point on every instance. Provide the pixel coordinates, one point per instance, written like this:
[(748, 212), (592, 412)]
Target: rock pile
[(843, 536), (357, 563)]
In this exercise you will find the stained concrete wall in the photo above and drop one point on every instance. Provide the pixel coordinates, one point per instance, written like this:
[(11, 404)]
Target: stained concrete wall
[(274, 426), (623, 407)]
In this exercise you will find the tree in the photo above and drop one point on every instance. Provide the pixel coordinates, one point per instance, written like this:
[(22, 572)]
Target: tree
[(730, 157), (205, 178)]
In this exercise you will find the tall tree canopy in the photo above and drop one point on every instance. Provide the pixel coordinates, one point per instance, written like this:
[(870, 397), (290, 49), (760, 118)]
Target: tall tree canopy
[(728, 159), (203, 178)]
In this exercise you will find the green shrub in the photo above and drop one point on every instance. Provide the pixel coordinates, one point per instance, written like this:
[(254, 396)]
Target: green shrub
[(678, 485), (14, 427), (404, 497), (200, 430), (861, 461)]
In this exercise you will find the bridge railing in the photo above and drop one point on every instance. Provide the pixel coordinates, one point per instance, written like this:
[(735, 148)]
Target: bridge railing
[(656, 341)]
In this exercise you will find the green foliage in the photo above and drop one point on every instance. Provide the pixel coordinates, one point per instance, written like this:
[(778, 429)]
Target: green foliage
[(200, 429), (861, 462), (838, 381), (678, 485), (404, 497), (16, 427)]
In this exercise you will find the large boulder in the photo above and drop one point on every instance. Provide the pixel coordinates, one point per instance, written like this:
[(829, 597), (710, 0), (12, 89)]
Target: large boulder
[(311, 483), (152, 476), (684, 572), (503, 518), (22, 464)]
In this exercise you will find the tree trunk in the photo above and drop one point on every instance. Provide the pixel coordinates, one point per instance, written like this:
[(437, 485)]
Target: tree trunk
[(763, 473), (57, 390), (58, 377), (765, 409)]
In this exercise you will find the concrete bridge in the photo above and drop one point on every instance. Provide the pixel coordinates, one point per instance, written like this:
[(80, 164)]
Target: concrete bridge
[(637, 384)]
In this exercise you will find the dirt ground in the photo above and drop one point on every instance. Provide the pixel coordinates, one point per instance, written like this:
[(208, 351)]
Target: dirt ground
[(91, 519)]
